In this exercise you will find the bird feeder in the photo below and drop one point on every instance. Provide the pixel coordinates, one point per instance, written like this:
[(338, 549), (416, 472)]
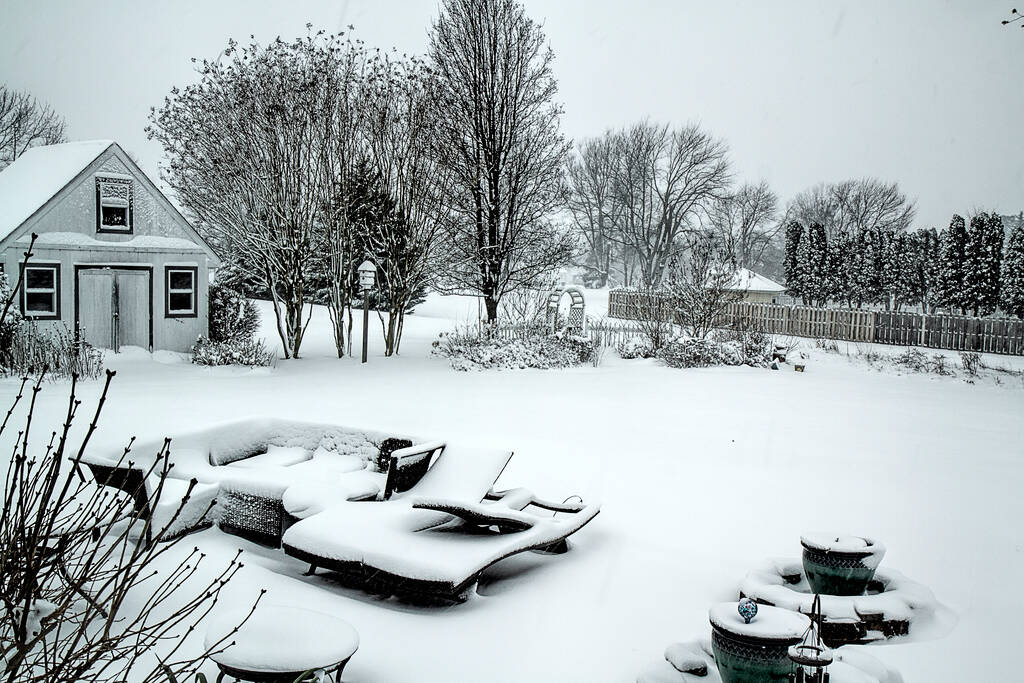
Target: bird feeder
[(367, 275)]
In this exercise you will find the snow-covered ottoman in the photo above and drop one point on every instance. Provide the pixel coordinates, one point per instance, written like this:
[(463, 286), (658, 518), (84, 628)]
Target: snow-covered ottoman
[(278, 643)]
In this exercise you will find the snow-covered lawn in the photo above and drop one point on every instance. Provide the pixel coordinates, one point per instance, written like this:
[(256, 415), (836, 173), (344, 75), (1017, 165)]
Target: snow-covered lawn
[(702, 475)]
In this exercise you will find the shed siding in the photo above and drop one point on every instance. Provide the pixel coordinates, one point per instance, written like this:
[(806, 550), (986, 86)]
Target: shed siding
[(74, 211)]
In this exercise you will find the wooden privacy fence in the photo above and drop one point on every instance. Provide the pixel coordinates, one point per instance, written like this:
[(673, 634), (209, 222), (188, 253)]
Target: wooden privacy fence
[(955, 332)]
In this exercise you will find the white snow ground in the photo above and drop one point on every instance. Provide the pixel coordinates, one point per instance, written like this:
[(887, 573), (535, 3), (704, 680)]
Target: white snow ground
[(702, 474)]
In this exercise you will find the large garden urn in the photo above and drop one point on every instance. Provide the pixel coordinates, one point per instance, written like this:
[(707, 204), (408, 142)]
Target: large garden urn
[(753, 647), (840, 565)]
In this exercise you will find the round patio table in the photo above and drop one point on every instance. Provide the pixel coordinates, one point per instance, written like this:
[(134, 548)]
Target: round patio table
[(278, 643)]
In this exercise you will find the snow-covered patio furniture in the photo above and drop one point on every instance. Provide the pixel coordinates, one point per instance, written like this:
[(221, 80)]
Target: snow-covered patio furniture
[(251, 463), (431, 547), (168, 516), (262, 499), (314, 641)]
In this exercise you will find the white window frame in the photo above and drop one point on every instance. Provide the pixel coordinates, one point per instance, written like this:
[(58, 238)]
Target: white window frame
[(193, 274), (54, 292), (114, 202)]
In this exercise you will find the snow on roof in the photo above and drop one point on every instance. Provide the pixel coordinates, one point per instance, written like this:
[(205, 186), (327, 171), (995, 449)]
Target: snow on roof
[(753, 282), (40, 173), (77, 240)]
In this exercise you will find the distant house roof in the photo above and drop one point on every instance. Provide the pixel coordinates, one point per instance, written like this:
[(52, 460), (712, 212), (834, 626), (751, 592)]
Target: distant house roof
[(750, 281), (39, 174)]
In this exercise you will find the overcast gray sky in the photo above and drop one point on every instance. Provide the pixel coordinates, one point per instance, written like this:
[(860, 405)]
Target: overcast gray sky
[(929, 94)]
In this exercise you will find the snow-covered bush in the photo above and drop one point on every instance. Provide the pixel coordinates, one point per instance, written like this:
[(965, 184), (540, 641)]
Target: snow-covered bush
[(755, 346), (700, 353), (232, 316), (635, 347), (251, 352), (970, 361), (469, 351), (828, 345), (916, 360), (685, 352)]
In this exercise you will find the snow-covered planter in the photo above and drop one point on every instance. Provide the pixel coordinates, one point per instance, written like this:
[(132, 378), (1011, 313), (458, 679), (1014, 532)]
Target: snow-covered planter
[(756, 651), (694, 662), (475, 352), (891, 608), (840, 565), (249, 352)]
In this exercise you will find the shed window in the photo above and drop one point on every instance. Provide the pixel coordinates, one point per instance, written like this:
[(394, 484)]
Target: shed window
[(181, 292), (113, 205), (40, 298)]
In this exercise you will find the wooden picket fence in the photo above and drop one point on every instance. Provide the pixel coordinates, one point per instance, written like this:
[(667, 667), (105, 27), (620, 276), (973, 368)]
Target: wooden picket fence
[(600, 331), (954, 332)]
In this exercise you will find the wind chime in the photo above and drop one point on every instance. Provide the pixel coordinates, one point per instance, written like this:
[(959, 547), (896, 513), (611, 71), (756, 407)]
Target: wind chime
[(811, 655)]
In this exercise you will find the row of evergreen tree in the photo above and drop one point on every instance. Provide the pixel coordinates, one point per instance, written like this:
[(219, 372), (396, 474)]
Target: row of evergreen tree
[(965, 270)]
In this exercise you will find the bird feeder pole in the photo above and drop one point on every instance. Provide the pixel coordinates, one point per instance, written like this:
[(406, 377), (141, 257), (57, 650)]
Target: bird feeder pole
[(367, 274)]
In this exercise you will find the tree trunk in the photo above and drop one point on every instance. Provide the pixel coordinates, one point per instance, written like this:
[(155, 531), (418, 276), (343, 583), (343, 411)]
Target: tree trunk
[(491, 304)]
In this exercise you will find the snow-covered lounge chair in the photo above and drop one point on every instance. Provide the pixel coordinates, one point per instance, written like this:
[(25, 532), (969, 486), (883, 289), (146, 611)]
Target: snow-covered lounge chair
[(434, 548), (168, 516)]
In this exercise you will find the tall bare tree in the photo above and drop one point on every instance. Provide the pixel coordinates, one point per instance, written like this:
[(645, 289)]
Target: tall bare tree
[(592, 204), (748, 219), (25, 122), (847, 207), (499, 138), (249, 157), (665, 180), (401, 127)]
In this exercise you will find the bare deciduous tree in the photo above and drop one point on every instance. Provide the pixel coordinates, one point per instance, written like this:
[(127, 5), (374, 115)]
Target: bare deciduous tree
[(592, 204), (499, 138), (747, 218), (82, 595), (400, 131), (248, 158), (662, 183), (25, 122), (703, 284), (847, 207)]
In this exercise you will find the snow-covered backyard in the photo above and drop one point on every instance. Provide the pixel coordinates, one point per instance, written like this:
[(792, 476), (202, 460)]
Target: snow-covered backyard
[(702, 475)]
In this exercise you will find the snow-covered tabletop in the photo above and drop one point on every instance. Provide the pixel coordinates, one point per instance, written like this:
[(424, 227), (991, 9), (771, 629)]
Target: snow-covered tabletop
[(280, 639), (771, 623)]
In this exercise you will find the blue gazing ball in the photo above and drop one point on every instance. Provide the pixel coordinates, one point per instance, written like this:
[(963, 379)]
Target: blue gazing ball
[(747, 609)]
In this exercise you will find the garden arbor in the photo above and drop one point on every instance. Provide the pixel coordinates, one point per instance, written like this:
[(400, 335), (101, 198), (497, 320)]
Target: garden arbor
[(576, 319)]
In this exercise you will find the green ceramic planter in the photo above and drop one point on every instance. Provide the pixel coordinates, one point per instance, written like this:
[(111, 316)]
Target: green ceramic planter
[(757, 652), (838, 565)]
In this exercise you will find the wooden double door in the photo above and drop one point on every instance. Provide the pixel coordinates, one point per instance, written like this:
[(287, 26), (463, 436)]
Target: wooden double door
[(114, 306)]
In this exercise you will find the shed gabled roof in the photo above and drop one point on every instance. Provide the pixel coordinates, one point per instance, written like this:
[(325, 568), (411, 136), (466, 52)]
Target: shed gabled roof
[(38, 175)]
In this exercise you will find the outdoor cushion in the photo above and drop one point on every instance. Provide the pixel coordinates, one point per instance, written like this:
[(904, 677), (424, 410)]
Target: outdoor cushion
[(306, 498)]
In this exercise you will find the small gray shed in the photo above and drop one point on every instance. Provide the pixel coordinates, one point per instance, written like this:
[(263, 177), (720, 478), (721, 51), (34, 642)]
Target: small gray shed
[(114, 261)]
